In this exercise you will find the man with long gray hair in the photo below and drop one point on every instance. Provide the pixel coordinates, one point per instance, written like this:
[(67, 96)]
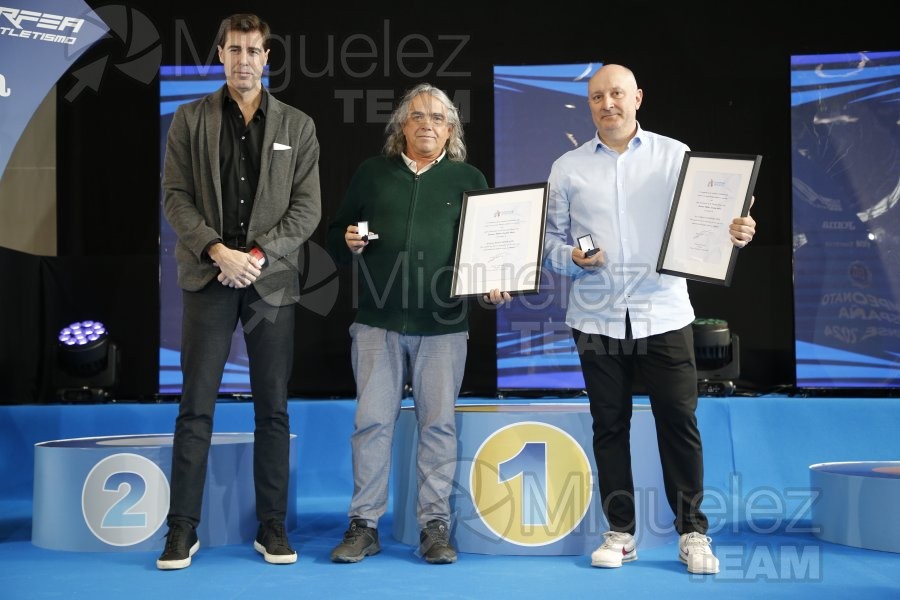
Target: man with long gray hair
[(407, 325)]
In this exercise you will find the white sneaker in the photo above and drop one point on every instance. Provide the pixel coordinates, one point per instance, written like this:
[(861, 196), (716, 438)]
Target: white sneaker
[(617, 548), (694, 551)]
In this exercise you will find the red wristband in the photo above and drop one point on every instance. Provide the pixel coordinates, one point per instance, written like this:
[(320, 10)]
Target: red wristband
[(258, 255)]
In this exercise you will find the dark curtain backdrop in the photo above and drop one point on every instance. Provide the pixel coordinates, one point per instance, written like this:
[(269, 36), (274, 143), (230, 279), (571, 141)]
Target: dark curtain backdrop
[(715, 76)]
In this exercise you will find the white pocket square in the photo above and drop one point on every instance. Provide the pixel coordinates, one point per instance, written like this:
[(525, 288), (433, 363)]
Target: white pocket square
[(277, 146)]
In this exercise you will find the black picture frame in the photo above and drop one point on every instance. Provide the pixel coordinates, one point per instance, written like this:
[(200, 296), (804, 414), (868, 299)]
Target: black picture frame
[(500, 243), (712, 189)]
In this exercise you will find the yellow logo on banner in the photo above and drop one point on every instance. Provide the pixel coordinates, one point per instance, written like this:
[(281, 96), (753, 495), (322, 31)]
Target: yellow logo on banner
[(531, 483)]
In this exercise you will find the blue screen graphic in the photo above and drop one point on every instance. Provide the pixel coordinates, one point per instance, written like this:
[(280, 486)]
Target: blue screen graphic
[(845, 120), (178, 85), (540, 113)]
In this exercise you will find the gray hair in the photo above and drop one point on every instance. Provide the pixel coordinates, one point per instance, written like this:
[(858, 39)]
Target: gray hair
[(396, 141)]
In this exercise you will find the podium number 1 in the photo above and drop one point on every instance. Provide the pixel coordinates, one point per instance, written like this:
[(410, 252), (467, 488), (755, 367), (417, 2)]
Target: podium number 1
[(531, 464)]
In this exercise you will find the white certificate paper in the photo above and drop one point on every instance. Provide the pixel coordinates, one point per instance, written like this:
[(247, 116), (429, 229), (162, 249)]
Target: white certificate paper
[(500, 240), (712, 190)]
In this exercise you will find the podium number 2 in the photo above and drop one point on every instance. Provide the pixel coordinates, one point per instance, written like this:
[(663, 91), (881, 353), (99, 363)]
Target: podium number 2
[(117, 515)]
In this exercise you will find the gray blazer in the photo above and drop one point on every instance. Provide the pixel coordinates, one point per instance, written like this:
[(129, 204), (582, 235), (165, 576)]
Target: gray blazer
[(287, 207)]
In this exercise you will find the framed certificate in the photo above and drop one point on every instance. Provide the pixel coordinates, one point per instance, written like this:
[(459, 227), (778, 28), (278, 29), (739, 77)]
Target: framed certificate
[(712, 190), (500, 241)]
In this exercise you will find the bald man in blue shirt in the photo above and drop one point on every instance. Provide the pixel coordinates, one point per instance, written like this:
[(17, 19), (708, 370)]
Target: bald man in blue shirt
[(625, 317)]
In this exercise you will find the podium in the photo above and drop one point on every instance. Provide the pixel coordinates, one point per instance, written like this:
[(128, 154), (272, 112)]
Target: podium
[(111, 494), (525, 481), (857, 503)]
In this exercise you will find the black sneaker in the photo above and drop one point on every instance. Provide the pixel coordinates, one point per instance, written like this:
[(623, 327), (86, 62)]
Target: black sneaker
[(272, 542), (434, 544), (359, 541), (181, 545)]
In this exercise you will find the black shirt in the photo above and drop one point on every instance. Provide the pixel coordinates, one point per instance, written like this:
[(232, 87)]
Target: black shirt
[(240, 148)]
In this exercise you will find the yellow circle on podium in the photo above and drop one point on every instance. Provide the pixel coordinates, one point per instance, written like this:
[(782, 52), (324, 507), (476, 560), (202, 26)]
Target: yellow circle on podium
[(531, 483)]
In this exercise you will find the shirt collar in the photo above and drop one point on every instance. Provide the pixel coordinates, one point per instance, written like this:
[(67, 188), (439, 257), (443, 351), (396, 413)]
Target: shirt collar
[(263, 101), (637, 140), (413, 166)]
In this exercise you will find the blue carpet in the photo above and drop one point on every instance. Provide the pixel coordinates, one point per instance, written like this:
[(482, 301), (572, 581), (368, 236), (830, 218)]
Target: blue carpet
[(758, 452), (774, 565)]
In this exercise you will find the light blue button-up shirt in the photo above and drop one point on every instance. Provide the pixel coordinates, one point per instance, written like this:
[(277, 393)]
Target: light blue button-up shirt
[(622, 201)]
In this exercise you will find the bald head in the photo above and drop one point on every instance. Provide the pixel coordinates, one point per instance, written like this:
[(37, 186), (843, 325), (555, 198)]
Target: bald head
[(621, 75), (614, 99)]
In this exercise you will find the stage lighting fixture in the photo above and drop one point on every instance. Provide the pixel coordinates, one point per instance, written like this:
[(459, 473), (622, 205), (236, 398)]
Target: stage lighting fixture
[(717, 351), (87, 362)]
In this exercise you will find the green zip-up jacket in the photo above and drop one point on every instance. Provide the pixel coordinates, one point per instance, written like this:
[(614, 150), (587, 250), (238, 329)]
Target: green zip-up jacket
[(402, 280)]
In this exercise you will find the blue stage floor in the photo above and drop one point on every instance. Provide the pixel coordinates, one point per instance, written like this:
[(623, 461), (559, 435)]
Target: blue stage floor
[(758, 452)]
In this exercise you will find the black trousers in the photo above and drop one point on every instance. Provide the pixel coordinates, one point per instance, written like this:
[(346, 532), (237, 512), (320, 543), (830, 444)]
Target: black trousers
[(667, 366), (209, 320)]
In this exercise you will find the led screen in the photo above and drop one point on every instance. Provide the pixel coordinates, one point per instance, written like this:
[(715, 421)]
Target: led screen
[(845, 120), (540, 113), (178, 85)]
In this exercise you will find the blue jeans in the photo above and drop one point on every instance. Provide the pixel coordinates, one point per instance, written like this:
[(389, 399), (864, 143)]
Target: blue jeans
[(382, 360)]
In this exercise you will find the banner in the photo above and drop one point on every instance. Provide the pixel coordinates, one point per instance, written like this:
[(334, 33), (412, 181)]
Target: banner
[(39, 41)]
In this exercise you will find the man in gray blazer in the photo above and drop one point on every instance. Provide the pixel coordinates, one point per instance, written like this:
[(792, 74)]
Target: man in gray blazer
[(241, 192)]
